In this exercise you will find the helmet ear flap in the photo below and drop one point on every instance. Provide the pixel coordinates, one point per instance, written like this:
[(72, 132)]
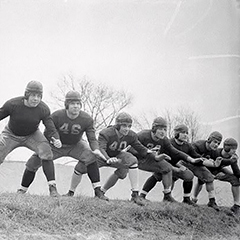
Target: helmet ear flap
[(209, 140), (154, 129), (177, 135), (227, 149), (33, 87)]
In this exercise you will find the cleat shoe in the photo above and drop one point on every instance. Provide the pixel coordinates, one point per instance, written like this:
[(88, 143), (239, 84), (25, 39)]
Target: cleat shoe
[(235, 209), (53, 190), (188, 201), (21, 191), (168, 198), (100, 194), (136, 199), (195, 200), (142, 195), (143, 198), (69, 194), (139, 201), (212, 203)]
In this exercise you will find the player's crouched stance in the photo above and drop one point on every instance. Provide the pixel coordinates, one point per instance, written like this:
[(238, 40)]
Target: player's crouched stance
[(70, 122), (113, 142), (25, 114)]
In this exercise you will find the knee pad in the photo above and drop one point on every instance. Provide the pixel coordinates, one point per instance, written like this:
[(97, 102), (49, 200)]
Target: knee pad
[(32, 168), (44, 151), (158, 176), (164, 167), (121, 173), (189, 177), (33, 163), (80, 168)]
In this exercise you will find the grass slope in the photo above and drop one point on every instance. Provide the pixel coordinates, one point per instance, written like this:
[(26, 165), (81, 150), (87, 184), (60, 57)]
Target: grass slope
[(42, 217), (11, 174)]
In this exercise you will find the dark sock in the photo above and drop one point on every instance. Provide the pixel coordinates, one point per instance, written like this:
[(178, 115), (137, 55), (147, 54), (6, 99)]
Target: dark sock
[(48, 169), (93, 172), (149, 184), (187, 187), (28, 177)]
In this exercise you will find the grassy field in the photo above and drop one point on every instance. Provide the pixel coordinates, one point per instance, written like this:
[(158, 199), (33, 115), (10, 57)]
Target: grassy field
[(35, 217)]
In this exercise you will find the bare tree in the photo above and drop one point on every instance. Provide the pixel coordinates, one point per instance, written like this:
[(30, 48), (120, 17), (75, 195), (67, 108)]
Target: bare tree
[(180, 116), (101, 102), (183, 116)]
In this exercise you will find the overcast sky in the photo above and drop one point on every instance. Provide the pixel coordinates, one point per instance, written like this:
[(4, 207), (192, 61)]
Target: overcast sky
[(166, 53)]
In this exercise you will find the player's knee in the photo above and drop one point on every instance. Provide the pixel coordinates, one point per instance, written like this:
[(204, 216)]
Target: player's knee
[(133, 162), (207, 179), (80, 168), (235, 181), (45, 152), (165, 170), (164, 167), (121, 173), (31, 168), (158, 176), (188, 176)]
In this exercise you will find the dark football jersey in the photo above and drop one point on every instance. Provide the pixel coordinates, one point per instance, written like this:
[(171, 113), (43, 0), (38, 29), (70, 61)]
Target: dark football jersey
[(111, 142), (200, 147), (227, 162), (72, 130), (163, 145), (25, 120), (186, 147)]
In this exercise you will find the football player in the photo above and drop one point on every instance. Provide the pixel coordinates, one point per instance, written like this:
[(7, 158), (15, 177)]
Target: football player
[(156, 138), (207, 149), (227, 155), (113, 142), (25, 114), (70, 123)]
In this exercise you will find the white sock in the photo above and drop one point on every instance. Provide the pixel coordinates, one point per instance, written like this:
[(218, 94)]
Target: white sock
[(97, 184), (24, 188), (211, 194), (52, 182), (76, 179), (134, 178)]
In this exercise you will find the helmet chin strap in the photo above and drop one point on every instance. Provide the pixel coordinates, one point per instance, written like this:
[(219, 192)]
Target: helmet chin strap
[(179, 141)]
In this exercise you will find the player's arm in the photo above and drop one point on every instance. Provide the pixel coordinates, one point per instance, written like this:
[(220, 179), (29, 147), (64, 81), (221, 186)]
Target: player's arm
[(179, 167), (234, 166), (103, 142), (50, 129), (5, 110), (175, 153), (91, 136), (140, 149)]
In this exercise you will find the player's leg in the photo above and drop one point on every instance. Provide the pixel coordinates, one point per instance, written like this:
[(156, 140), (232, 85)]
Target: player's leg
[(235, 183), (130, 162), (119, 173), (94, 176), (187, 177), (32, 165), (150, 184), (76, 178), (204, 176), (39, 144), (163, 168), (84, 155), (8, 142)]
